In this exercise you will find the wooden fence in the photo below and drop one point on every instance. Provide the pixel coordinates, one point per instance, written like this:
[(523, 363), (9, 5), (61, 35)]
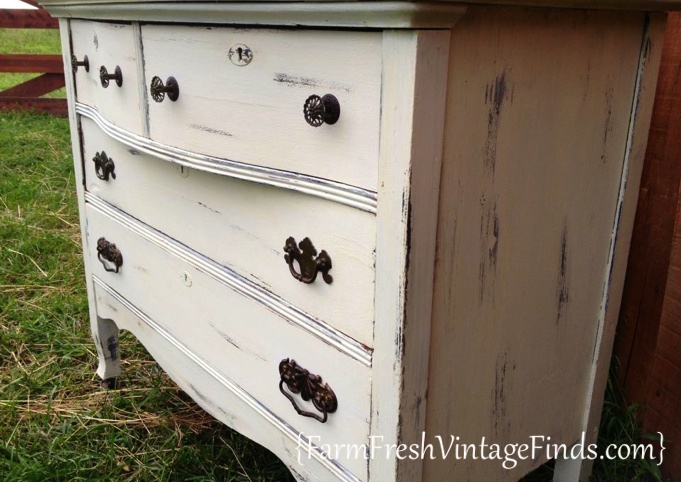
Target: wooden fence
[(648, 344), (27, 95)]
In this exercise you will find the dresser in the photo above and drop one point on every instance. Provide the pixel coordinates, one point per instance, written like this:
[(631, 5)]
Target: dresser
[(349, 230)]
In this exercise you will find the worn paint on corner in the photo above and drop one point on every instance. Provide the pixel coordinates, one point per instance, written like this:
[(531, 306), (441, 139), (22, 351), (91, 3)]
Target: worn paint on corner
[(489, 245), (563, 294), (496, 94), (112, 346), (502, 424)]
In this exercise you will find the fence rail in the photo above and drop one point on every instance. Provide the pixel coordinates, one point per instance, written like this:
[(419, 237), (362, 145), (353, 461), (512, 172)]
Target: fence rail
[(28, 95)]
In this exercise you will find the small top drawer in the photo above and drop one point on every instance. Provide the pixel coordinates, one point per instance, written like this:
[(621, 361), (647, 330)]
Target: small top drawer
[(110, 46), (242, 95)]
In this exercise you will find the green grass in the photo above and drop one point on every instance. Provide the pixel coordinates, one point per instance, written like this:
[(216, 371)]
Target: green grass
[(28, 41), (55, 422)]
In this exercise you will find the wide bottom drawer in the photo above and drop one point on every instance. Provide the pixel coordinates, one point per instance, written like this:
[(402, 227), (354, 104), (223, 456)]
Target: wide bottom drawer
[(233, 334)]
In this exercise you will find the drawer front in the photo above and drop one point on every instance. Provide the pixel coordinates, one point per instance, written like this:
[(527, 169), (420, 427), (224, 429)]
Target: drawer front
[(108, 45), (254, 113), (234, 335), (244, 226)]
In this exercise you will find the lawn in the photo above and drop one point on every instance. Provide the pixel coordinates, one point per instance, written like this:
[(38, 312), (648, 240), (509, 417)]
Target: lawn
[(56, 423)]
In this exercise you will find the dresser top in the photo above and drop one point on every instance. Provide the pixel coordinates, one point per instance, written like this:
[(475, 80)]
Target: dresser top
[(358, 14)]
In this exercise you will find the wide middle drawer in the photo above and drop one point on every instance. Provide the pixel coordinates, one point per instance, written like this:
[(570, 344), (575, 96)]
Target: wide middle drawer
[(251, 110), (244, 226)]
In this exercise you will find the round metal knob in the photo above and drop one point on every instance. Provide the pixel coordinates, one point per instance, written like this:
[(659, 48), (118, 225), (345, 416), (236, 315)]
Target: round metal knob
[(159, 91), (105, 76), (75, 64), (320, 110)]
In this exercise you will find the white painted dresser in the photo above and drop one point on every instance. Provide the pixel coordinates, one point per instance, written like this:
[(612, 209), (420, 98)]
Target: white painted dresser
[(366, 222)]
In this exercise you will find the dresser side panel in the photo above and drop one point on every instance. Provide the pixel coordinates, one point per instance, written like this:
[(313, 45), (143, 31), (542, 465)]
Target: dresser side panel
[(538, 113), (641, 114)]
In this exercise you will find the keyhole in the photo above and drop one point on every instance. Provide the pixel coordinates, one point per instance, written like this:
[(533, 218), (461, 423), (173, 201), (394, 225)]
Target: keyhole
[(240, 55), (183, 171)]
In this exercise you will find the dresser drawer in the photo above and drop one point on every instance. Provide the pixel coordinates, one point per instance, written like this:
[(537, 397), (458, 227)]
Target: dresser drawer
[(112, 46), (244, 226), (232, 333), (254, 113)]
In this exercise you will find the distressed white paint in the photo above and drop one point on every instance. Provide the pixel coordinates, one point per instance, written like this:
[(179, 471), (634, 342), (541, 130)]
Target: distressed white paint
[(244, 226), (535, 145), (323, 188), (225, 110), (217, 394), (623, 225), (237, 283), (109, 45), (101, 329), (227, 334), (489, 278), (414, 84)]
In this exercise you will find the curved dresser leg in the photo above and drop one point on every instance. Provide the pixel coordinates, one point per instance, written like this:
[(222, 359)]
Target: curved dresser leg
[(105, 334)]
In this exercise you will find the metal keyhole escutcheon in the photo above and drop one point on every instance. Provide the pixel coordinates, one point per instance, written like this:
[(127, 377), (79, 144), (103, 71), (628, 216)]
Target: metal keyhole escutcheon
[(240, 55)]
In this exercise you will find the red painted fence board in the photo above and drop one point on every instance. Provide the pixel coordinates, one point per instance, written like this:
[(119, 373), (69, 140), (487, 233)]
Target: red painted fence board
[(648, 345), (24, 18), (27, 95)]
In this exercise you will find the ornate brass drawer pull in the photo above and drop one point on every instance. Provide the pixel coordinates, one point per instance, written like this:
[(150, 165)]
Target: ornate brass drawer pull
[(319, 110), (107, 251), (104, 166), (309, 265), (105, 76), (159, 91), (310, 387), (75, 64)]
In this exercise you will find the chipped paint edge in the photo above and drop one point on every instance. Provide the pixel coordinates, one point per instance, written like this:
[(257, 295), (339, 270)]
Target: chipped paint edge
[(237, 283), (339, 470), (362, 199), (568, 470)]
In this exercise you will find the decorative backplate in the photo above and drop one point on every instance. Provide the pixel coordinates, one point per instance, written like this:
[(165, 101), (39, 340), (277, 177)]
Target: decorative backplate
[(107, 251), (310, 387), (310, 264)]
